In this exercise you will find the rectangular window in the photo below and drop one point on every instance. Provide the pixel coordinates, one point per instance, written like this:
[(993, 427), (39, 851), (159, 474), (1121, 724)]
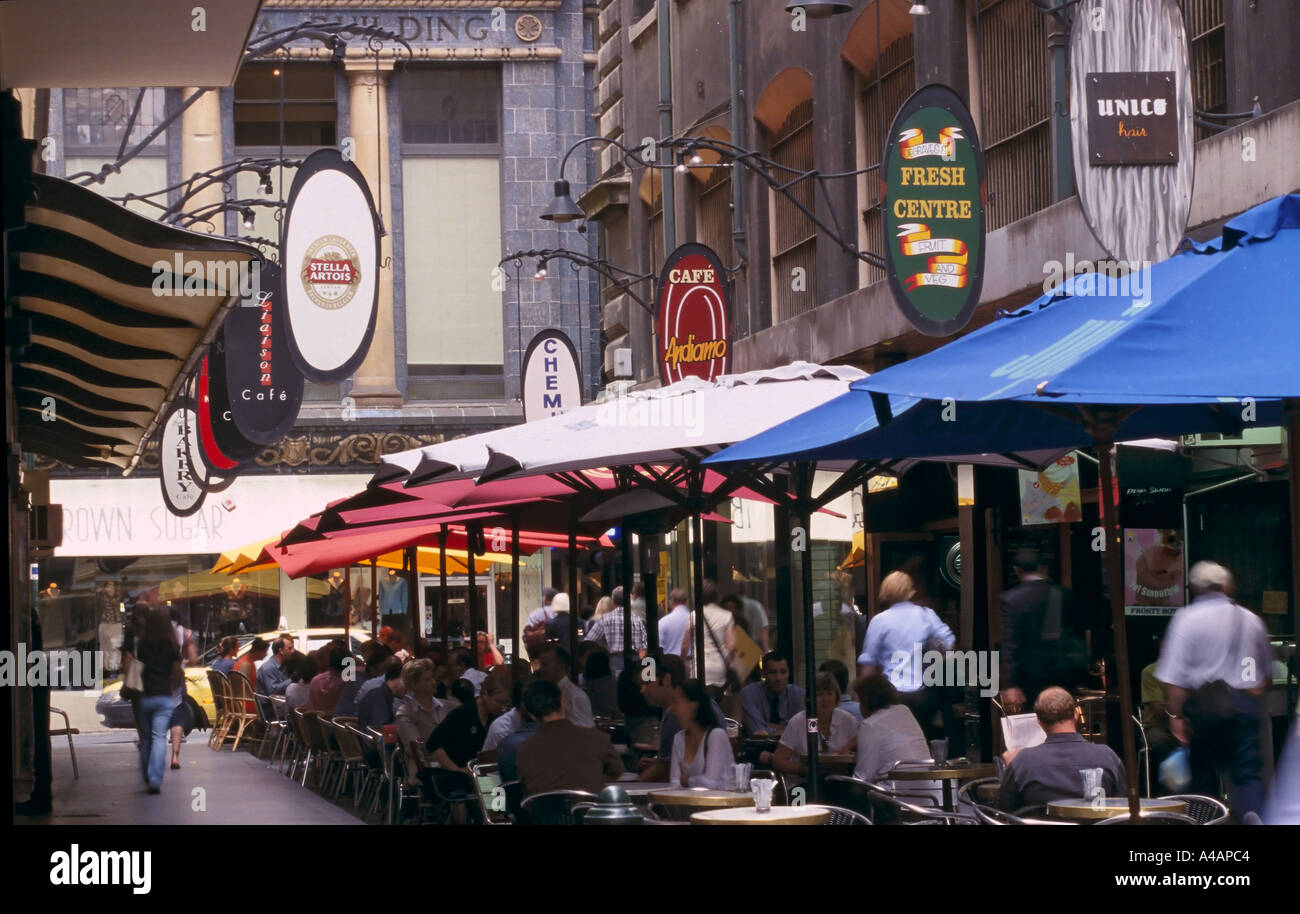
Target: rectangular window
[(94, 125), (451, 106), (1204, 20), (310, 110)]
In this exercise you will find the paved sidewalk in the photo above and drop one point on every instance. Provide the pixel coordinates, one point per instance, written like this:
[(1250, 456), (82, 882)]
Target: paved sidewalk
[(211, 788)]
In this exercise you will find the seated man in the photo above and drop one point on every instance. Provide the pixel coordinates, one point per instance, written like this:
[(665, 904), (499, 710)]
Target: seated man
[(562, 756), (554, 666), (462, 667), (670, 673), (326, 687), (377, 709), (770, 704), (1050, 771)]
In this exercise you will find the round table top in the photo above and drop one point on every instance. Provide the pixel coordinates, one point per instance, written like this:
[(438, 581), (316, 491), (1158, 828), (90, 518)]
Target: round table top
[(777, 815), (1109, 807), (637, 788), (948, 770), (703, 797)]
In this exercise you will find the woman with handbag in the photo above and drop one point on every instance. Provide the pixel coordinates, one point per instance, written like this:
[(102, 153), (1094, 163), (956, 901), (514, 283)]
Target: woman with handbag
[(156, 667)]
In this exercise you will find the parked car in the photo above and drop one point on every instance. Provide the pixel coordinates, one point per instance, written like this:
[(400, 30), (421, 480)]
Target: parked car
[(116, 712)]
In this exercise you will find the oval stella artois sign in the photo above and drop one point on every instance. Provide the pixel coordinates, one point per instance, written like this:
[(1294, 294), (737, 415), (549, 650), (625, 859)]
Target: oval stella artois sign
[(330, 272), (691, 320), (933, 169), (331, 267)]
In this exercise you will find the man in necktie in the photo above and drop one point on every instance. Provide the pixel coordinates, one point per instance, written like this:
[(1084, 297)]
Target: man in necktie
[(769, 705)]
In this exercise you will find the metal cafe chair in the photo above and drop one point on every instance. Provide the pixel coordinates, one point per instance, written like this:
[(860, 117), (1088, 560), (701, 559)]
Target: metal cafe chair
[(557, 807), (842, 816), (489, 793), (1205, 810)]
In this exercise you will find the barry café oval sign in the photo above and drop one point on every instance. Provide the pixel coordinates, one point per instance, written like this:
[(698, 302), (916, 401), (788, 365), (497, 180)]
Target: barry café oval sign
[(933, 169), (691, 321)]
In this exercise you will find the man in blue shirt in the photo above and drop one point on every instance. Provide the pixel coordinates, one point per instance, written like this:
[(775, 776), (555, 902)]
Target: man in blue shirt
[(769, 705), (271, 677)]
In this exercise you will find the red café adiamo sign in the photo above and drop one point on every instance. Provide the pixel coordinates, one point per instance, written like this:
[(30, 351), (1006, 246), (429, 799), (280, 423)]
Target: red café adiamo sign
[(691, 320)]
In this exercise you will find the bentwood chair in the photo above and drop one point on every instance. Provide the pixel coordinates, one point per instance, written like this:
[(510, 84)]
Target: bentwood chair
[(1205, 810), (243, 710), (557, 807), (220, 688), (69, 731)]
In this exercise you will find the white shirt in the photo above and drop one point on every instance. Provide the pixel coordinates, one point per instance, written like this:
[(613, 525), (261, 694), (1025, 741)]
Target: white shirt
[(672, 629), (720, 622), (712, 765), (888, 736), (577, 706), (541, 614), (502, 727), (843, 735), (1199, 646), (476, 677)]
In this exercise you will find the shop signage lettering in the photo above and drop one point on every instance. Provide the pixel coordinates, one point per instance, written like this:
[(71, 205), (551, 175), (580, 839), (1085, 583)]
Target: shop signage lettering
[(416, 29), (177, 460), (551, 376), (1132, 118), (933, 170), (263, 384), (691, 322)]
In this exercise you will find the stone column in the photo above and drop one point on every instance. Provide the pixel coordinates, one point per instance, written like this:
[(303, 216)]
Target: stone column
[(201, 151), (375, 383)]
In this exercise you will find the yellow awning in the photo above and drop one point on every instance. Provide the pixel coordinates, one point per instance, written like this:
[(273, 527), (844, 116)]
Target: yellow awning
[(245, 560), (858, 554)]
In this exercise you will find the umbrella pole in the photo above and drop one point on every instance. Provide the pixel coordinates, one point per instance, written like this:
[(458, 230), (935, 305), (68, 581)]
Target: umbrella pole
[(471, 601), (412, 567), (347, 607), (374, 598), (697, 559), (515, 638), (650, 578), (804, 482), (575, 602), (442, 589), (629, 656), (1293, 459), (1115, 576)]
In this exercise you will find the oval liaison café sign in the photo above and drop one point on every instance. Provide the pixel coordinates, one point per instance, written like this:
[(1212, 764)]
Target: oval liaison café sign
[(262, 384), (331, 267), (691, 324), (933, 169), (552, 380)]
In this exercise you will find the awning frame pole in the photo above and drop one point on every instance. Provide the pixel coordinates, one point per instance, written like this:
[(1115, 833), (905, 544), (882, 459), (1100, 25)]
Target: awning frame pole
[(442, 590)]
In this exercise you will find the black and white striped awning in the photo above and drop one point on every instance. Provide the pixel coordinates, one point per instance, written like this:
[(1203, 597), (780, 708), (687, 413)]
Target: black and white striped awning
[(107, 353)]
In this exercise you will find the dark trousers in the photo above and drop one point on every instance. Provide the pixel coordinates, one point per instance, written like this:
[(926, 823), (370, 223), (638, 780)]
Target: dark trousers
[(1230, 747), (924, 704)]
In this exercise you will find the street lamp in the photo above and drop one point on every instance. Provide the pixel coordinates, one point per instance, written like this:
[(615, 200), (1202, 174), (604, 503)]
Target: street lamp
[(562, 208)]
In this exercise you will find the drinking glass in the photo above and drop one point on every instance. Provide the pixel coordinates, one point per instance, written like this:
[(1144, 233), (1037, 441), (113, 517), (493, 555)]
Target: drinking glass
[(762, 788)]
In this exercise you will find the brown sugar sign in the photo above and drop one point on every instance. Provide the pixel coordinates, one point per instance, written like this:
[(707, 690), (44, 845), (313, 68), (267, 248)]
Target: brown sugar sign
[(934, 211)]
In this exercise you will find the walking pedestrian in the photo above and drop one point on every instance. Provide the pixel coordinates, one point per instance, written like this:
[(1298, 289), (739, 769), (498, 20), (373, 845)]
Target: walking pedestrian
[(161, 658), (1216, 663), (1042, 635)]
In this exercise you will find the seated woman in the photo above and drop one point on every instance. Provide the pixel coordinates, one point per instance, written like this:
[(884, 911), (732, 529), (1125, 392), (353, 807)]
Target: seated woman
[(837, 732), (701, 750), (889, 734), (301, 669)]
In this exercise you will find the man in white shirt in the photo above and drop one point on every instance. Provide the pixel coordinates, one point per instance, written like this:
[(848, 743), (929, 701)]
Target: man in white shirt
[(543, 613), (554, 666), (672, 627), (462, 667), (1209, 645)]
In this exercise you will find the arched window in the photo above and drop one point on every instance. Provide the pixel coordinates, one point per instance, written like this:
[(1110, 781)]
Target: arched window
[(785, 110)]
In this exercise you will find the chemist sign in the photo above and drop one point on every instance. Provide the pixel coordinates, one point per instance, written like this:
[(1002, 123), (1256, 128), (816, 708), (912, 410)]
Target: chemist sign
[(933, 170), (551, 378)]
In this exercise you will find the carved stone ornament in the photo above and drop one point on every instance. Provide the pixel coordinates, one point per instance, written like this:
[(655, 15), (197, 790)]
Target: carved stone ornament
[(528, 27)]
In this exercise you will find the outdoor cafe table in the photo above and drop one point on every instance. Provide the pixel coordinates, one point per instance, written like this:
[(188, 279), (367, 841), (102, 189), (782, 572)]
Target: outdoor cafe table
[(777, 815), (1109, 807), (947, 772), (702, 798), (840, 763)]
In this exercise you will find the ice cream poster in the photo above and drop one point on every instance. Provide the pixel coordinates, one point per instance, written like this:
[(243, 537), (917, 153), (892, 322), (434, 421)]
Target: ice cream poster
[(1153, 571), (1051, 495)]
